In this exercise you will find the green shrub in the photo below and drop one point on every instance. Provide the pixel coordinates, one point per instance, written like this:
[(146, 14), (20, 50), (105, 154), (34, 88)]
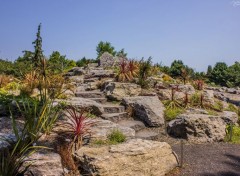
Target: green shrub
[(234, 136), (116, 137), (172, 113)]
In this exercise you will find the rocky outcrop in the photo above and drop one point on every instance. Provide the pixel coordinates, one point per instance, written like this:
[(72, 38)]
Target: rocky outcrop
[(149, 109), (166, 94), (208, 96), (184, 88), (228, 97), (201, 127), (117, 90), (135, 157), (107, 60), (99, 73), (45, 163), (102, 128)]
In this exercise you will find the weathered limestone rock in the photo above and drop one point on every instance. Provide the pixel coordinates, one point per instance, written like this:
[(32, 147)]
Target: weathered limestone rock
[(102, 128), (107, 60), (99, 73), (6, 131), (135, 157), (201, 127), (186, 88), (45, 163), (208, 96), (229, 117), (147, 108), (166, 94), (228, 97), (117, 90)]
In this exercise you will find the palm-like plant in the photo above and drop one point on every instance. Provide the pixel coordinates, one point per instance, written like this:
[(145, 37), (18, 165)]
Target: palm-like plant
[(79, 125)]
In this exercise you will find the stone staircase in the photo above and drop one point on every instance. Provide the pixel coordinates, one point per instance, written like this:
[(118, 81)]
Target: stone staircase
[(114, 112)]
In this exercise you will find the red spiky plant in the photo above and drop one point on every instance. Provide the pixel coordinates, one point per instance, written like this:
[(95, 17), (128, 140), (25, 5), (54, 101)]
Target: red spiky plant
[(199, 84), (79, 125)]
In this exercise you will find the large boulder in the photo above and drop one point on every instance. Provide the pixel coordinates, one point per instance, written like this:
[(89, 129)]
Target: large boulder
[(117, 90), (135, 157), (149, 109), (107, 60), (102, 128), (201, 127), (45, 163)]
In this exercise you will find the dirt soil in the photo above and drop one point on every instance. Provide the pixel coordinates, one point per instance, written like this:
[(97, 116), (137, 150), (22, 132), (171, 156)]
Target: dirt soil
[(216, 159)]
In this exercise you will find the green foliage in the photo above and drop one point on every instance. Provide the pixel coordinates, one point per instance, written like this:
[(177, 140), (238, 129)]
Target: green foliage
[(144, 72), (6, 67), (121, 53), (233, 75), (105, 47), (116, 137), (232, 134), (39, 118), (172, 113), (232, 108), (84, 61), (218, 106), (38, 53), (219, 74), (58, 63), (14, 157)]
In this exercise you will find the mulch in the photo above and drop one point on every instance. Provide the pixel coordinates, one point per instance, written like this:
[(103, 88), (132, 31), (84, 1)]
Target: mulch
[(212, 159)]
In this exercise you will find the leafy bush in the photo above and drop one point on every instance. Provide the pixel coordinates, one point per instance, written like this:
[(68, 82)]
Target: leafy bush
[(172, 113), (232, 134), (116, 137), (144, 72)]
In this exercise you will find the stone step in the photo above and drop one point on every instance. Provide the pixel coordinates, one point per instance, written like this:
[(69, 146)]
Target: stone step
[(147, 134), (134, 124), (108, 109), (115, 117), (90, 94), (99, 100), (90, 80)]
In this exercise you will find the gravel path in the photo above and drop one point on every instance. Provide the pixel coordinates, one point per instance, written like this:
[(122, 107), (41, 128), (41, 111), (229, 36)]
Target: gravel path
[(218, 159)]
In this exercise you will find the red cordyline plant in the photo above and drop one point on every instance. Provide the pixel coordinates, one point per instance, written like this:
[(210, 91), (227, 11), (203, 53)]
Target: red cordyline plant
[(199, 84), (79, 125)]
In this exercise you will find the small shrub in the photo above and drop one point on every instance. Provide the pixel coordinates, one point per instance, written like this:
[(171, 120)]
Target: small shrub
[(100, 142), (218, 106), (116, 137), (234, 136), (172, 113)]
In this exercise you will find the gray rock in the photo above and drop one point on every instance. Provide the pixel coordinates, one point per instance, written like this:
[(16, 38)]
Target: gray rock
[(107, 60), (198, 128), (45, 163), (102, 128), (229, 117), (117, 90), (149, 109), (135, 157)]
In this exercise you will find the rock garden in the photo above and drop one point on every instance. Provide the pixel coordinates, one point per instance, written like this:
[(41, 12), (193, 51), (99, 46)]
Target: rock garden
[(116, 116)]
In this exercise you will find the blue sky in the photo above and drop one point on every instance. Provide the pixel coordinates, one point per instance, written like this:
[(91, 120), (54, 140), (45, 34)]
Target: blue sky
[(199, 32)]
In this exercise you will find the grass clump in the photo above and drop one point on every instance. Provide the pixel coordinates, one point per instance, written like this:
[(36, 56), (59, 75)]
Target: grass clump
[(172, 113), (233, 134), (116, 137)]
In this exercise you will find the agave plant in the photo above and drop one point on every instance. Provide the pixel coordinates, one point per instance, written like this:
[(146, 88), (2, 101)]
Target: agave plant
[(79, 125)]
